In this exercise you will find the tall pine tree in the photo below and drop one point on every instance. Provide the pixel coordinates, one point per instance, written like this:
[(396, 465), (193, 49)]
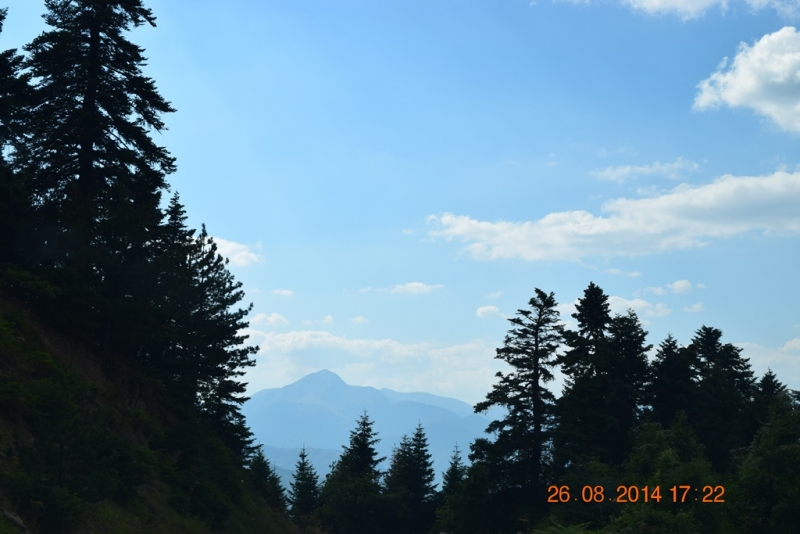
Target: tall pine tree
[(409, 485), (606, 375), (723, 415), (351, 499), (518, 456), (304, 492), (95, 175)]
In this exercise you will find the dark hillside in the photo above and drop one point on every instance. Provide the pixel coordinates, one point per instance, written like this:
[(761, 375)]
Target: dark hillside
[(87, 445)]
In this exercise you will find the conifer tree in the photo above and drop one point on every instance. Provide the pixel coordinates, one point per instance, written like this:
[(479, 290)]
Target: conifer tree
[(606, 375), (517, 458), (96, 176), (266, 481), (304, 492), (673, 387), (15, 203), (409, 484), (351, 500), (723, 416), (455, 474)]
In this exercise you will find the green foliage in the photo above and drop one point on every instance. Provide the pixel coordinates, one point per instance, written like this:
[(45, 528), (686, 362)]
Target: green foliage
[(351, 497), (722, 414), (409, 485), (304, 495), (266, 482), (468, 510), (766, 494), (517, 457), (455, 474)]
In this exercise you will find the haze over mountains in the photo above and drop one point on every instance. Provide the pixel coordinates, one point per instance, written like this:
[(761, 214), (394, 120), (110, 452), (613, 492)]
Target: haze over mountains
[(319, 411)]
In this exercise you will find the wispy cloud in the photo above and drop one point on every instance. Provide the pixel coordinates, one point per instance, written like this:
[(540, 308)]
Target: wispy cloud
[(679, 286), (271, 319), (643, 308), (621, 173), (686, 217), (694, 308), (631, 274), (283, 292), (692, 9), (359, 320), (784, 361), (413, 288), (488, 311), (240, 255), (764, 77)]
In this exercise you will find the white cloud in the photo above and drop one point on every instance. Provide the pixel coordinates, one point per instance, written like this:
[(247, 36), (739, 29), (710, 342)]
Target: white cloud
[(632, 274), (764, 77), (487, 311), (694, 308), (239, 254), (283, 292), (620, 173), (680, 286), (414, 288), (686, 217), (271, 319), (784, 361), (686, 9), (328, 319), (494, 295), (691, 9), (359, 320), (465, 371), (642, 307)]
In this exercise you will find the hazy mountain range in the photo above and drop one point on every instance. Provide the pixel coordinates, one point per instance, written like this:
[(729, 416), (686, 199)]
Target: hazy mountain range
[(320, 410)]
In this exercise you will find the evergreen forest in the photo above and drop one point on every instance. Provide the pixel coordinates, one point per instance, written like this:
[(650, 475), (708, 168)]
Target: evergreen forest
[(121, 357)]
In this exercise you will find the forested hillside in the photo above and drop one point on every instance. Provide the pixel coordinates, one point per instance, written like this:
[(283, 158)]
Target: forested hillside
[(121, 357), (120, 352)]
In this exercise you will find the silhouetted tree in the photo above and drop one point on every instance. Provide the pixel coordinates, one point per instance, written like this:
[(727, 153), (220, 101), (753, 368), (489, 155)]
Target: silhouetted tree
[(455, 474), (15, 202), (351, 499), (517, 457), (409, 485), (93, 171), (266, 481), (304, 492), (673, 384), (723, 415)]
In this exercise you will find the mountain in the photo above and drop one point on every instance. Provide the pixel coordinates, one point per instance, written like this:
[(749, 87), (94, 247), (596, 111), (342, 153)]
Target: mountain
[(319, 411)]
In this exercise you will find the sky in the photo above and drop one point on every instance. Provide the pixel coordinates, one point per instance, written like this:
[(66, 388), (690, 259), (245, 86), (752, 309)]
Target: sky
[(392, 180)]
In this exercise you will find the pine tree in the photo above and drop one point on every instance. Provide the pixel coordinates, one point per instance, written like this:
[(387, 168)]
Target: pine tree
[(606, 376), (409, 484), (723, 416), (15, 203), (304, 493), (96, 176), (518, 456), (673, 386), (455, 474), (266, 481), (351, 500)]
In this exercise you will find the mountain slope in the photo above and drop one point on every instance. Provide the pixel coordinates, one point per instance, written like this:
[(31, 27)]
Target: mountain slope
[(319, 411)]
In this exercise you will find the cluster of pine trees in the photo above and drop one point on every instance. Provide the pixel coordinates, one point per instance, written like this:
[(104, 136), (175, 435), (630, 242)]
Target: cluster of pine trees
[(89, 244), (694, 416)]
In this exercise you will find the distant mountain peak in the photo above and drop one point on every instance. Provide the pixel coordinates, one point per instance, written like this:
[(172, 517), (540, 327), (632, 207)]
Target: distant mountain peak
[(320, 379)]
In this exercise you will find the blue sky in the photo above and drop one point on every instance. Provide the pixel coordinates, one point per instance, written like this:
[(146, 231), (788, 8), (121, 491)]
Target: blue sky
[(392, 179)]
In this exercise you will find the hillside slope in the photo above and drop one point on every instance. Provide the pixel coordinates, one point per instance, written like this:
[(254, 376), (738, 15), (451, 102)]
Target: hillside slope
[(89, 444)]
